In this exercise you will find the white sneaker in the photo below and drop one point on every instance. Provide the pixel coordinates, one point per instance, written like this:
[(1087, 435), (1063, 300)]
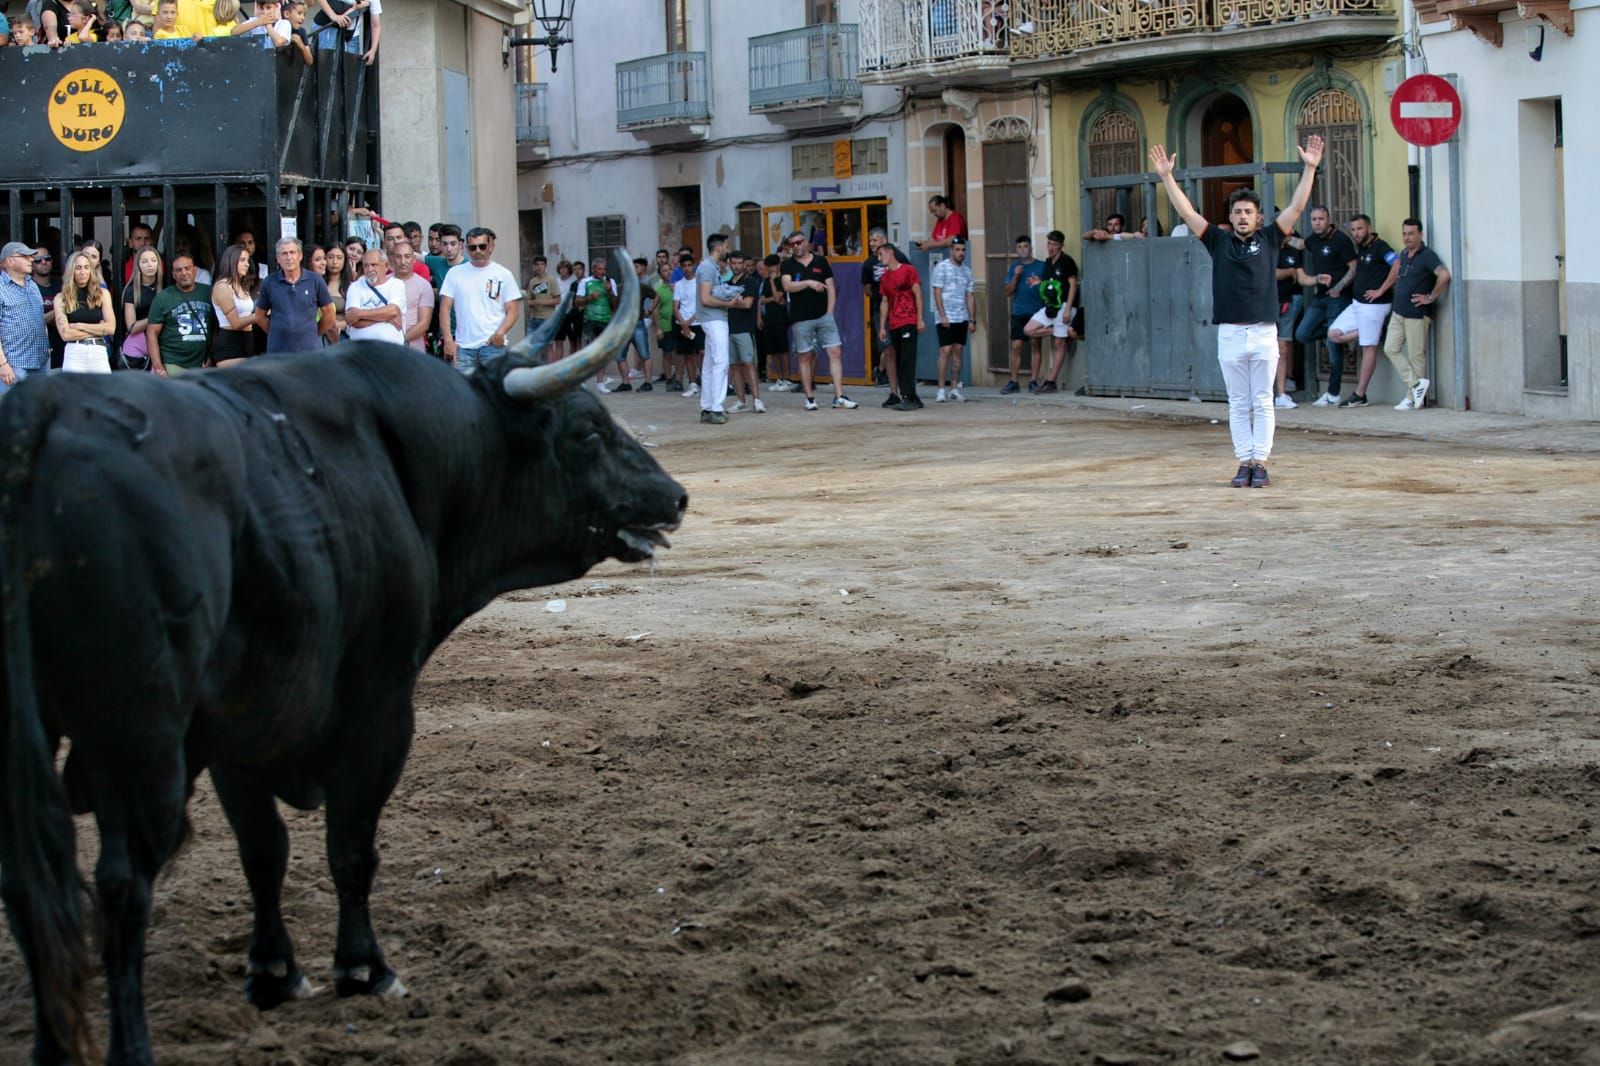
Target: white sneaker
[(693, 389), (1285, 401), (606, 386), (735, 407), (844, 403), (760, 407), (940, 398), (1407, 404), (955, 394), (1419, 393), (811, 403), (635, 375), (1327, 399)]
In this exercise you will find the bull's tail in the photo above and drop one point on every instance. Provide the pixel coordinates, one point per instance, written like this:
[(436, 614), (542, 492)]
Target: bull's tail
[(38, 858)]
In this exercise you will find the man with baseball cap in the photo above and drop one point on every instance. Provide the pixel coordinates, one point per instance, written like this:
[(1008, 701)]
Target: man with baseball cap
[(24, 345)]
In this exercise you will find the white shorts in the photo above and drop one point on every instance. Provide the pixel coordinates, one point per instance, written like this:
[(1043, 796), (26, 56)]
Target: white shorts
[(1060, 326), (1364, 319), (85, 359)]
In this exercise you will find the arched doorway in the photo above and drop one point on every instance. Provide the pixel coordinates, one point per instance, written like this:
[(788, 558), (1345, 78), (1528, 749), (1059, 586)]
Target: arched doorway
[(1227, 138), (955, 167)]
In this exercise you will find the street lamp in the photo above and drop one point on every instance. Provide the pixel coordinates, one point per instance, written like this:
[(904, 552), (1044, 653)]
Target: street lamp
[(554, 16)]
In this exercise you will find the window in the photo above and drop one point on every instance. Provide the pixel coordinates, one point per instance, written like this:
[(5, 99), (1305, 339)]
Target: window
[(1113, 149), (867, 156), (1336, 115), (606, 234)]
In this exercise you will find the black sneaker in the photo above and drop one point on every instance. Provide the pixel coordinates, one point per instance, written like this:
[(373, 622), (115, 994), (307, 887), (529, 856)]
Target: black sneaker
[(714, 418), (645, 386), (1033, 386), (1259, 478), (1048, 386), (624, 387), (674, 385), (1242, 478), (1010, 389), (1355, 400), (892, 401), (909, 405)]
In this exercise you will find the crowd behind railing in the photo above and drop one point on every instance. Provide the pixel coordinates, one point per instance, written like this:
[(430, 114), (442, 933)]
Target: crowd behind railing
[(295, 27)]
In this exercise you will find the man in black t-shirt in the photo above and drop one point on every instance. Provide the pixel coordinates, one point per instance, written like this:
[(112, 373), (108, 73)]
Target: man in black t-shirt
[(1244, 299), (1418, 278), (1362, 321), (1331, 266), (808, 279), (1059, 267), (1290, 257)]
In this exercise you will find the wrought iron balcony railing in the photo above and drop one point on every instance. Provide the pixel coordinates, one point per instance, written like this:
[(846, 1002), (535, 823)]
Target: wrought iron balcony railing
[(814, 64), (533, 123), (1060, 27), (663, 90), (909, 33)]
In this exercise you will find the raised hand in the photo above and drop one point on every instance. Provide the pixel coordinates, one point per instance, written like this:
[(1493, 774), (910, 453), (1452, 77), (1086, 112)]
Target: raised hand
[(1311, 152), (1162, 163)]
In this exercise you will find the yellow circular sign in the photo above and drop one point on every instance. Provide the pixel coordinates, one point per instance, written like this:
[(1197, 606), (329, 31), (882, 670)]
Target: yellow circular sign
[(86, 110)]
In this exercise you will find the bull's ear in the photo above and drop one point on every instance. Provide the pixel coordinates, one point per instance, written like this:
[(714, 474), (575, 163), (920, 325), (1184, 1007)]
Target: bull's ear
[(529, 351), (527, 383)]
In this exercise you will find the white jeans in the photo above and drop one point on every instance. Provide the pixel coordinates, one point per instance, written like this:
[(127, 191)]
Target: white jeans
[(85, 359), (1249, 358), (714, 368)]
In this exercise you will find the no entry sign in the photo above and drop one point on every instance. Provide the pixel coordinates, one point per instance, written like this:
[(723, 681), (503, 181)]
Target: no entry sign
[(1425, 110)]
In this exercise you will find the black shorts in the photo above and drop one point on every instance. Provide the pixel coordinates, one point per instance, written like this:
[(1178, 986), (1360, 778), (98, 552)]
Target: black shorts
[(233, 344), (1017, 322), (954, 333), (694, 343), (669, 341), (775, 334)]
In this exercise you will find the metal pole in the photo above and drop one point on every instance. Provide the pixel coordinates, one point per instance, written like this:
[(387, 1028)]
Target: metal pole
[(1458, 292)]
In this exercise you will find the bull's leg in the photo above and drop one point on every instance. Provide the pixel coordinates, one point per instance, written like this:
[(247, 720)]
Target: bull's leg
[(264, 852), (140, 790), (355, 802), (47, 1050)]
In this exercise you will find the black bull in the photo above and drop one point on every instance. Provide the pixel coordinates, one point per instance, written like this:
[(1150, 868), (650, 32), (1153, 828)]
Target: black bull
[(245, 571)]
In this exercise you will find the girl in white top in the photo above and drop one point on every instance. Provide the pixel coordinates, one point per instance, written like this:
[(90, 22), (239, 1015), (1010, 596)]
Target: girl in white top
[(234, 298)]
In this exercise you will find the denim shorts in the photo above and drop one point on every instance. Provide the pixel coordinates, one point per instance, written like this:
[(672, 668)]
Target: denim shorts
[(815, 333)]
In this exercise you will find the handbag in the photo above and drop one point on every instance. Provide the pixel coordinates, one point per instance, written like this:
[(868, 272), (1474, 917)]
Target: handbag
[(134, 353)]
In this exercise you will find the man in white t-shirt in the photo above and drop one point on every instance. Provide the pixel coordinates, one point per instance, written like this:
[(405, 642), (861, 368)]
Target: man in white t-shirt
[(375, 303), (486, 301)]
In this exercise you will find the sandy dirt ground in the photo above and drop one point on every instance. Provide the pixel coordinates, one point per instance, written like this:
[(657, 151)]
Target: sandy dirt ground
[(1000, 733)]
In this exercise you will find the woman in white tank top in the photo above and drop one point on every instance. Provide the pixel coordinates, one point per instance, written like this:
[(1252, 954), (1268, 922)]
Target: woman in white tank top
[(234, 299)]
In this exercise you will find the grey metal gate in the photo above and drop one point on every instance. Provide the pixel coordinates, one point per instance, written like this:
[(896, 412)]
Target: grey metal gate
[(1147, 320)]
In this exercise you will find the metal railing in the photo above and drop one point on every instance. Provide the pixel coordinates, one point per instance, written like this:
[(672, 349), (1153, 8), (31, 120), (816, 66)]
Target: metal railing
[(662, 90), (533, 123), (814, 63), (1060, 27), (902, 33)]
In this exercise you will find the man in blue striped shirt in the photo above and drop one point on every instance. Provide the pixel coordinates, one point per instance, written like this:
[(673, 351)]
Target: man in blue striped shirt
[(24, 345)]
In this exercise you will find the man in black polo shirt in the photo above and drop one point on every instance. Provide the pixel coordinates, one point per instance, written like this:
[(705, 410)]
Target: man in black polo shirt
[(1362, 321), (1419, 278), (1062, 268), (1331, 264), (1244, 299)]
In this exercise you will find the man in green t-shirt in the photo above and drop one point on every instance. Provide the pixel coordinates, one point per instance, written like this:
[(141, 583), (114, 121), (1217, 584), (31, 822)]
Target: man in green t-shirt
[(596, 296), (181, 322)]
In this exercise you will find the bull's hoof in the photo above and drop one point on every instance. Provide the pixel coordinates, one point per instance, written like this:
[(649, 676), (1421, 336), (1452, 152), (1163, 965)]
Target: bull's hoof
[(275, 983), (367, 981)]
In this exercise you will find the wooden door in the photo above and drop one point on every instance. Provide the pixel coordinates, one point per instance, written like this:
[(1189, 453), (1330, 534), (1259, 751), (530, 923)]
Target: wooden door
[(1005, 218)]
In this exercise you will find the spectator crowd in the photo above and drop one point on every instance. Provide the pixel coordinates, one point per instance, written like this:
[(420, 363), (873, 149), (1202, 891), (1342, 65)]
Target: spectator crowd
[(293, 27)]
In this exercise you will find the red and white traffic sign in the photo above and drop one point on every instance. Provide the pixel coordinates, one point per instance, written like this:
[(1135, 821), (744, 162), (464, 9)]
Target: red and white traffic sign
[(1425, 110)]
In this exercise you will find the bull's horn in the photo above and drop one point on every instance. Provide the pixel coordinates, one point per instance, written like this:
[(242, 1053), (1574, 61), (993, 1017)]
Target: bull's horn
[(539, 339), (537, 382)]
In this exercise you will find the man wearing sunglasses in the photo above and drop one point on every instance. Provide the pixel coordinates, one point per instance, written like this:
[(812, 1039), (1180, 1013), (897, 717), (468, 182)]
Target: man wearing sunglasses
[(486, 301), (24, 346), (808, 279)]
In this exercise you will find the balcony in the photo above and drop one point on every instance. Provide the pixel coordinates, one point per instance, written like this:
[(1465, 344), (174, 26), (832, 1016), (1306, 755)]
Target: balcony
[(533, 123), (664, 94), (810, 70), (909, 41), (1100, 35)]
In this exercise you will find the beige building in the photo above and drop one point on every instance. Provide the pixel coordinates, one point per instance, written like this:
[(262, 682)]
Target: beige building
[(447, 148)]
